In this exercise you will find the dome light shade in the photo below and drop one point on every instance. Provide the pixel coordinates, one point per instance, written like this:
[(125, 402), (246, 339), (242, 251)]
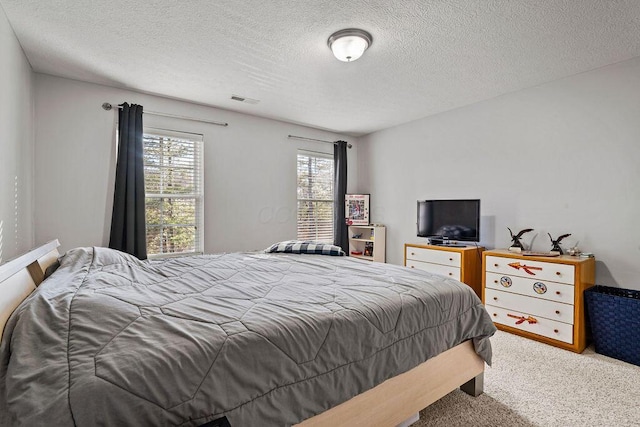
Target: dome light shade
[(349, 45)]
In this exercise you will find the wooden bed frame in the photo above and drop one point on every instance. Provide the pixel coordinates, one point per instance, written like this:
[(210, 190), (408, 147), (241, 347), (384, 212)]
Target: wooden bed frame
[(388, 404), (20, 276)]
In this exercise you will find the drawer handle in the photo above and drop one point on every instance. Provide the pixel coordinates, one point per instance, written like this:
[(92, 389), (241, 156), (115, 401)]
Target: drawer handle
[(450, 259), (450, 274), (412, 266), (556, 331), (495, 265), (557, 311), (412, 253), (495, 281), (558, 273), (495, 315), (557, 292), (495, 298), (522, 319)]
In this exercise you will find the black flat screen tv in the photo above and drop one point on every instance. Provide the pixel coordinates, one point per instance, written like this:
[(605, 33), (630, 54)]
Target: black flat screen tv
[(449, 219)]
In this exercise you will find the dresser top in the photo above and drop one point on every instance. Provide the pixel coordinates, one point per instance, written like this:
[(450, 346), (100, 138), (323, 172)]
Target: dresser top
[(445, 248), (561, 259)]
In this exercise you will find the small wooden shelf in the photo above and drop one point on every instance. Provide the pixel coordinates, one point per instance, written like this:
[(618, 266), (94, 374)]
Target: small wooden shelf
[(368, 258), (372, 239)]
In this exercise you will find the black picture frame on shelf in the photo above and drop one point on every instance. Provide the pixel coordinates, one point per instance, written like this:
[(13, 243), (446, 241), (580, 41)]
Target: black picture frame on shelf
[(368, 249), (356, 209)]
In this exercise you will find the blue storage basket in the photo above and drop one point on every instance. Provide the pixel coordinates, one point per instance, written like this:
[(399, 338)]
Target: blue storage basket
[(614, 314)]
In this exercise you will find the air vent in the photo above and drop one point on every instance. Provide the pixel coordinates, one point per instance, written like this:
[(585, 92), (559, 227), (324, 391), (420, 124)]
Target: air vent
[(245, 100)]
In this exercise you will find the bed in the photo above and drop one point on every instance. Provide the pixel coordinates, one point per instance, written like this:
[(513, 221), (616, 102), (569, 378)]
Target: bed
[(235, 339)]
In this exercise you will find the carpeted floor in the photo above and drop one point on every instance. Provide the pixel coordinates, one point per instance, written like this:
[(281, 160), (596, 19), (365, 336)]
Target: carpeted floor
[(534, 384)]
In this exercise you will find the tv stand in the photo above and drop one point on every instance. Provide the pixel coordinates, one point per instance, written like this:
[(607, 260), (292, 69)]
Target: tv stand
[(440, 241), (451, 245), (460, 263)]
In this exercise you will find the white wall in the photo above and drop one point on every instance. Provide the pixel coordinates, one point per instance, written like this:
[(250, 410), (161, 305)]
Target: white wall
[(563, 157), (249, 166), (16, 145)]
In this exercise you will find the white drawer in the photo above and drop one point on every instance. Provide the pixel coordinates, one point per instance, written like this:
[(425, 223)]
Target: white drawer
[(443, 270), (562, 273), (434, 256), (545, 327), (531, 287), (535, 306)]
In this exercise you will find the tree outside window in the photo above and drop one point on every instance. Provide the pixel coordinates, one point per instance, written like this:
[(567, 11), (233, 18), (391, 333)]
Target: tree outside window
[(315, 196), (173, 187)]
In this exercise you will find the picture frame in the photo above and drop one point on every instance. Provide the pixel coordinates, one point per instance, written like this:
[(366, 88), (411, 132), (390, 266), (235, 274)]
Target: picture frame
[(368, 248), (356, 209)]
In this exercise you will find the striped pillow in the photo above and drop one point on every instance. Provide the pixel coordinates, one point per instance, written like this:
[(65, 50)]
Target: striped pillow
[(300, 247)]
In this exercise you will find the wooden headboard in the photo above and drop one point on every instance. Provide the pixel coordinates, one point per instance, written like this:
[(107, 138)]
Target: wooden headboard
[(20, 276)]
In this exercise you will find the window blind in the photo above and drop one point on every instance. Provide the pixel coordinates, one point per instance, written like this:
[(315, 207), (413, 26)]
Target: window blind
[(173, 186), (315, 196)]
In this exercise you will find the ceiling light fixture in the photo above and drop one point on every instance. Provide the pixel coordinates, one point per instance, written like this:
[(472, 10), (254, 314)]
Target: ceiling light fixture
[(349, 44)]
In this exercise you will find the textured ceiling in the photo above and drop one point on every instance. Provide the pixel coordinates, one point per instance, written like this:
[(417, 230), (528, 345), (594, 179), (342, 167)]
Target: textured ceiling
[(428, 56)]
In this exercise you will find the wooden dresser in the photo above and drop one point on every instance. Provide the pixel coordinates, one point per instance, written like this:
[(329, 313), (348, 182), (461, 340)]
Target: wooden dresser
[(463, 264), (538, 297)]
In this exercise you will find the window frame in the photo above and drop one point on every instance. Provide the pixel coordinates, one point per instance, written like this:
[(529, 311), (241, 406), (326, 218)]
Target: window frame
[(317, 155), (198, 196)]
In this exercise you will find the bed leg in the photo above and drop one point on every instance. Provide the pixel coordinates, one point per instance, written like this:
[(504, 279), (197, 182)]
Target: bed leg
[(475, 386)]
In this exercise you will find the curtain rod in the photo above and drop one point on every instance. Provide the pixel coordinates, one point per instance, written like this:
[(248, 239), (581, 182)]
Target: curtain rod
[(317, 140), (106, 106)]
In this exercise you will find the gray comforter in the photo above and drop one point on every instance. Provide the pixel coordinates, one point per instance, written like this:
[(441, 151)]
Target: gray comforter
[(263, 339)]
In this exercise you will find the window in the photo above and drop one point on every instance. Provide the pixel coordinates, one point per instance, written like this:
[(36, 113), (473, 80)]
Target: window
[(173, 186), (315, 196)]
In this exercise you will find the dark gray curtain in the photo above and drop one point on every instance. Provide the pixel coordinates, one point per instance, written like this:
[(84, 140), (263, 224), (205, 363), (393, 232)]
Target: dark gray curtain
[(340, 233), (128, 220)]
